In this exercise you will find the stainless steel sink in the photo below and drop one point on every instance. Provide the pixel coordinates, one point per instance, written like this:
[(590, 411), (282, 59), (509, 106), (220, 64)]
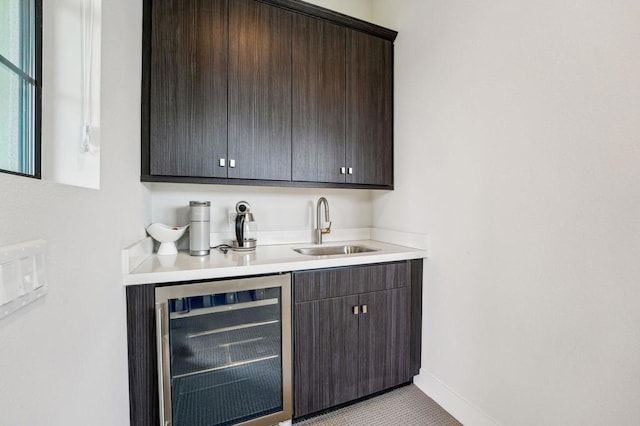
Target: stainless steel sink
[(330, 250)]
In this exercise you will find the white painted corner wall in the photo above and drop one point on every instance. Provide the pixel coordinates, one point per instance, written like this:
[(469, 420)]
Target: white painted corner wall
[(516, 149)]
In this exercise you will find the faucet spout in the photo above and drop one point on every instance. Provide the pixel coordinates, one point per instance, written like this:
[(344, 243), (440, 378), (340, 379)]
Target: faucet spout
[(319, 229)]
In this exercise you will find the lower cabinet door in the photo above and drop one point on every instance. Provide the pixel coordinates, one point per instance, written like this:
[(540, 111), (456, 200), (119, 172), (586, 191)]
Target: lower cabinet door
[(384, 340), (326, 354)]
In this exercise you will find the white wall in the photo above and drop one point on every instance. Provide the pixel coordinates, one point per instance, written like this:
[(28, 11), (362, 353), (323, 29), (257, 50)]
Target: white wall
[(516, 136), (63, 360), (361, 9)]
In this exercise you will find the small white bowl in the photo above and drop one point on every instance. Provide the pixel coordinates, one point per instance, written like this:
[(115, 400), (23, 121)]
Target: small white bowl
[(166, 236)]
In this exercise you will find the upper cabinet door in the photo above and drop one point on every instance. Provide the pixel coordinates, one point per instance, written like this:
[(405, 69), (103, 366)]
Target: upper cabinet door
[(259, 91), (369, 109), (188, 88), (319, 85), (265, 92)]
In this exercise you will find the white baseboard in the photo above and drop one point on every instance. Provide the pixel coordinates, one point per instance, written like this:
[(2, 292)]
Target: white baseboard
[(456, 405)]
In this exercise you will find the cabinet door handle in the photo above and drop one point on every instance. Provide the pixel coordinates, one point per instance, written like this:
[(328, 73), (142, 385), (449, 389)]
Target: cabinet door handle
[(222, 162), (364, 309), (350, 171), (343, 170), (356, 310), (232, 163)]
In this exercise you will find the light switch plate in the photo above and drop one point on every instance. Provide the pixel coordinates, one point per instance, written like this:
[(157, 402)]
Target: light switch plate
[(22, 275), (3, 294)]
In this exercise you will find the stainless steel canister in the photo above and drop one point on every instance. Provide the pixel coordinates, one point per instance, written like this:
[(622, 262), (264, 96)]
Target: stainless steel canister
[(199, 229)]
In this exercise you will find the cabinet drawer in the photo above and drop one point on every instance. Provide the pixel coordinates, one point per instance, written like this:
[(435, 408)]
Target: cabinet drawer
[(328, 283)]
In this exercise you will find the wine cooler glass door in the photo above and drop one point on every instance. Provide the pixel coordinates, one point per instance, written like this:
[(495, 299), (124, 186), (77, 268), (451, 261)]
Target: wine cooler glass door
[(225, 352)]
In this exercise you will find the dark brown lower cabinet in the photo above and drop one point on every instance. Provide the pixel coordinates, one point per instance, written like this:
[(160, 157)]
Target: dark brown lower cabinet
[(326, 361), (355, 338), (338, 356), (383, 340)]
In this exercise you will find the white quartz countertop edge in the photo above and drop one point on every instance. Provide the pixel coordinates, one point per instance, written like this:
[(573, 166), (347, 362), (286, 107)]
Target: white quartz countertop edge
[(264, 260)]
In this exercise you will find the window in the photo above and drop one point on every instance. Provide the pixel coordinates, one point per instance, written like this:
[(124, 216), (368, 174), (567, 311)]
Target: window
[(20, 86)]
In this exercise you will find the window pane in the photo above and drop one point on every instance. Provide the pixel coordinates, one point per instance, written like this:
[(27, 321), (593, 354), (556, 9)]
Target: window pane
[(16, 134), (16, 33)]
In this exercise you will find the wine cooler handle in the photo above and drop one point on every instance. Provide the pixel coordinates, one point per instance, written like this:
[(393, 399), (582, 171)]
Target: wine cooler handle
[(164, 364)]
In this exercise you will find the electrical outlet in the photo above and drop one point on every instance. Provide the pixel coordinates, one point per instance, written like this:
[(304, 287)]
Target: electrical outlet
[(232, 217)]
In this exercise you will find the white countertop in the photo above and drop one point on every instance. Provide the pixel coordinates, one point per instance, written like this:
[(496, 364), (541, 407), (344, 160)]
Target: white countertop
[(264, 260)]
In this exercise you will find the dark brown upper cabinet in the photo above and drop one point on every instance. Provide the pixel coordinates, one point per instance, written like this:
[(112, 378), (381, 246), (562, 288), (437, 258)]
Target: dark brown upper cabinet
[(342, 105), (265, 92), (259, 91), (369, 109), (319, 100), (188, 96)]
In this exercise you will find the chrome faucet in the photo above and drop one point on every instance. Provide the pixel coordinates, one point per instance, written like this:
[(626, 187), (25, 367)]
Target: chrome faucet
[(319, 230)]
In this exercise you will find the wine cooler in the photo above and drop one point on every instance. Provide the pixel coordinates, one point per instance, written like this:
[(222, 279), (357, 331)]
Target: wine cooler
[(224, 352)]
